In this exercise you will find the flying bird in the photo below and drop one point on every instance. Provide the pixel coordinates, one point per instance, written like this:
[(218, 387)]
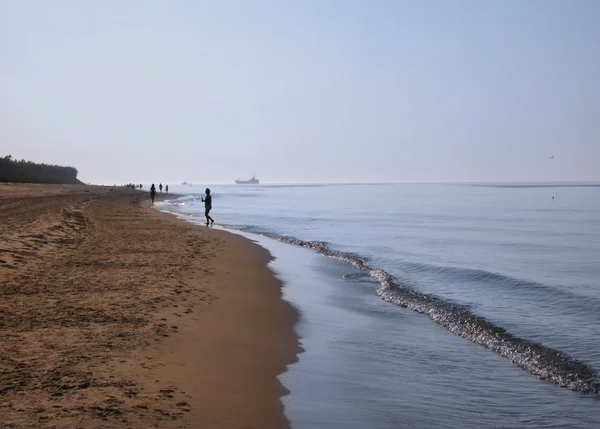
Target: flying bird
[(551, 157)]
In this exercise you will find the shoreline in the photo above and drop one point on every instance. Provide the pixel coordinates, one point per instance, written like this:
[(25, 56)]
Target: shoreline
[(119, 315)]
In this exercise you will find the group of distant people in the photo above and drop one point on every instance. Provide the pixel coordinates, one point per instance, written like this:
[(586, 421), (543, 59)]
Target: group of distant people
[(153, 190), (207, 200), (134, 186)]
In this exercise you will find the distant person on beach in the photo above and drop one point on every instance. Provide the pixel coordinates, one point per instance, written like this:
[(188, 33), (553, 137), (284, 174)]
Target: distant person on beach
[(207, 206), (160, 187), (167, 189), (152, 192)]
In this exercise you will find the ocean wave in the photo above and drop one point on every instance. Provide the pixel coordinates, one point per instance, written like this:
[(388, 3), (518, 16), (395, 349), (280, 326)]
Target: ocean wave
[(497, 280), (544, 362)]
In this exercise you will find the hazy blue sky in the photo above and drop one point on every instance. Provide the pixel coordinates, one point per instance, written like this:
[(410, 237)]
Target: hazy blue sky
[(303, 91)]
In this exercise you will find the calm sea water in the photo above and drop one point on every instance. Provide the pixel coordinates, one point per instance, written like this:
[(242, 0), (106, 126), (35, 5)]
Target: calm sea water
[(432, 305)]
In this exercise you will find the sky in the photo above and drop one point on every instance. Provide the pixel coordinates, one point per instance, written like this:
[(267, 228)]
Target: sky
[(303, 91)]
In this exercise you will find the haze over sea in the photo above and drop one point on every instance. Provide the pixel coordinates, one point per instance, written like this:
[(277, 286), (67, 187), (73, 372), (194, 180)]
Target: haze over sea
[(437, 305)]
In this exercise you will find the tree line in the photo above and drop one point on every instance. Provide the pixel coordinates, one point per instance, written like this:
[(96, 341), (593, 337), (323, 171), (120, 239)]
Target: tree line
[(12, 170)]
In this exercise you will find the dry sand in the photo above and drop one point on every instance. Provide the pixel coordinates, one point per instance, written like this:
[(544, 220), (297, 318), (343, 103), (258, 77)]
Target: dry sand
[(113, 315)]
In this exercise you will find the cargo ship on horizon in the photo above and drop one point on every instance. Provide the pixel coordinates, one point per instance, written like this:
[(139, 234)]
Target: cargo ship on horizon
[(253, 181)]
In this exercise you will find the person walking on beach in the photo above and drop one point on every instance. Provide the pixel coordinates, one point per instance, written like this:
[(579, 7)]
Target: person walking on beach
[(207, 206), (166, 189), (160, 187), (152, 192)]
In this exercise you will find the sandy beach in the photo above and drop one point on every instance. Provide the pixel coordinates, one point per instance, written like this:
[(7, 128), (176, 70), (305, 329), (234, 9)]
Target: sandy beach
[(114, 315)]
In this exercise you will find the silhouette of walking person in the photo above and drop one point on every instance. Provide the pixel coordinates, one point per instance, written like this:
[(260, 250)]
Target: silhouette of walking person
[(167, 189), (152, 192), (207, 206), (160, 187)]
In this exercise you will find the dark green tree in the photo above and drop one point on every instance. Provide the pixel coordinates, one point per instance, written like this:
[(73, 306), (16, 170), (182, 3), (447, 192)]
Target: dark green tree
[(30, 172)]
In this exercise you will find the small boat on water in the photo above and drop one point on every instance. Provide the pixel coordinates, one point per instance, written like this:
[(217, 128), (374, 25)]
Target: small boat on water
[(253, 181)]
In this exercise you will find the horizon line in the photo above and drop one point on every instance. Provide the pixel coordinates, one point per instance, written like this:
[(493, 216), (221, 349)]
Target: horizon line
[(203, 183)]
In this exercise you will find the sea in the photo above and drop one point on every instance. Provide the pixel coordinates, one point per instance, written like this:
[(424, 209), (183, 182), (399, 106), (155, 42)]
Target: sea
[(471, 305)]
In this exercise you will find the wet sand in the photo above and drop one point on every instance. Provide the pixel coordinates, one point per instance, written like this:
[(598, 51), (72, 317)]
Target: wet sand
[(113, 315)]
